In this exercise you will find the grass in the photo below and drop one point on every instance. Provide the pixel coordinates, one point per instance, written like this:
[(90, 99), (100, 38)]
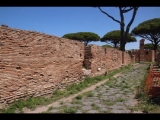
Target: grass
[(109, 102), (79, 96), (32, 103), (70, 110), (50, 108), (89, 94), (99, 95), (120, 100), (94, 106), (61, 103), (76, 102)]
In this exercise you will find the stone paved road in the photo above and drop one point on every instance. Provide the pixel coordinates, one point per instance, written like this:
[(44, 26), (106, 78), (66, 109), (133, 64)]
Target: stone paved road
[(115, 96)]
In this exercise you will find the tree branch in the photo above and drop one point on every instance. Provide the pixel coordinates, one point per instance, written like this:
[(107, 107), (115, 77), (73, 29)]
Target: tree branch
[(145, 37), (124, 8), (109, 15), (131, 21), (124, 11)]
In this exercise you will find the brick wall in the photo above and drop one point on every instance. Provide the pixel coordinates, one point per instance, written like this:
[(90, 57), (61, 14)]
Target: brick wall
[(101, 60), (143, 54), (35, 64)]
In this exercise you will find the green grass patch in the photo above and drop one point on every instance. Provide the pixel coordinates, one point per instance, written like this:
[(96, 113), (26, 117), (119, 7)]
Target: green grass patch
[(120, 100), (109, 102), (79, 97), (70, 110), (90, 94)]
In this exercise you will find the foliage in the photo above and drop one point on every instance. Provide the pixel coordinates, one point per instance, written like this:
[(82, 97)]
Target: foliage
[(84, 37), (79, 96), (107, 46), (114, 37), (150, 46), (149, 30)]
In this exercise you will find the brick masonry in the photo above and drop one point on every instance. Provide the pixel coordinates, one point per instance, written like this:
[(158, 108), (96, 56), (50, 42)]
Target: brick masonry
[(35, 64), (142, 55), (101, 60)]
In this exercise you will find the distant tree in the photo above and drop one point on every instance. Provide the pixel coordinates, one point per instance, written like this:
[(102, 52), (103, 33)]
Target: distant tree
[(149, 30), (114, 37), (150, 46), (124, 33), (84, 37), (107, 46)]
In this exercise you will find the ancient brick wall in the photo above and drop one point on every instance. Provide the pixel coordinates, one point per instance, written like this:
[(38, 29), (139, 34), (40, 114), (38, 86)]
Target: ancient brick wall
[(142, 54), (34, 64), (101, 60)]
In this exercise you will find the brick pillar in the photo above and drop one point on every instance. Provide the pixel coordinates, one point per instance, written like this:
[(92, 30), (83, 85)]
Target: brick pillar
[(152, 59), (141, 49)]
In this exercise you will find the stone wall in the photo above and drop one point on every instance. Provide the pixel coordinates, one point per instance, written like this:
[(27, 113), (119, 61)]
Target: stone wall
[(35, 64)]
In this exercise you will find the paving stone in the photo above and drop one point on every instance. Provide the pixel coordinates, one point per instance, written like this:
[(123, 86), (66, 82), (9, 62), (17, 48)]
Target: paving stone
[(87, 103), (86, 108), (103, 109), (54, 111), (117, 107), (69, 104), (116, 111), (92, 111), (79, 111), (100, 105)]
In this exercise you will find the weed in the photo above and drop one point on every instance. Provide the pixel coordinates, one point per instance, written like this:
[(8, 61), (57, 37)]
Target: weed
[(94, 106), (109, 102), (90, 94), (70, 110), (79, 96), (99, 95), (61, 103), (50, 108), (120, 100)]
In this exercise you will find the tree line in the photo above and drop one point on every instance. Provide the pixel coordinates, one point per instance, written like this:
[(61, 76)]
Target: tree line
[(149, 30)]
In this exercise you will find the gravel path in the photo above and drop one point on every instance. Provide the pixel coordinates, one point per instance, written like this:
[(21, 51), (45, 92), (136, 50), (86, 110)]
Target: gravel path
[(114, 95)]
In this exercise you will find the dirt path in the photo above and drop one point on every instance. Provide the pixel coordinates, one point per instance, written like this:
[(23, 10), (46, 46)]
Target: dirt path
[(68, 99)]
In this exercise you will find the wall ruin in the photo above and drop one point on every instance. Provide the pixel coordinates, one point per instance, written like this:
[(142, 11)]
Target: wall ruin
[(101, 60), (35, 64), (142, 55)]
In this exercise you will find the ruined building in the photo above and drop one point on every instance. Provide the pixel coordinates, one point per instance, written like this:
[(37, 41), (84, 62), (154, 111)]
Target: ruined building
[(142, 55)]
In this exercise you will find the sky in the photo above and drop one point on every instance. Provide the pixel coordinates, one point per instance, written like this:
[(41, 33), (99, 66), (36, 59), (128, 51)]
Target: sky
[(58, 21)]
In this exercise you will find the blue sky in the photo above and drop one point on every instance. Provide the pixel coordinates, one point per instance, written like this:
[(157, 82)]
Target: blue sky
[(58, 21)]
